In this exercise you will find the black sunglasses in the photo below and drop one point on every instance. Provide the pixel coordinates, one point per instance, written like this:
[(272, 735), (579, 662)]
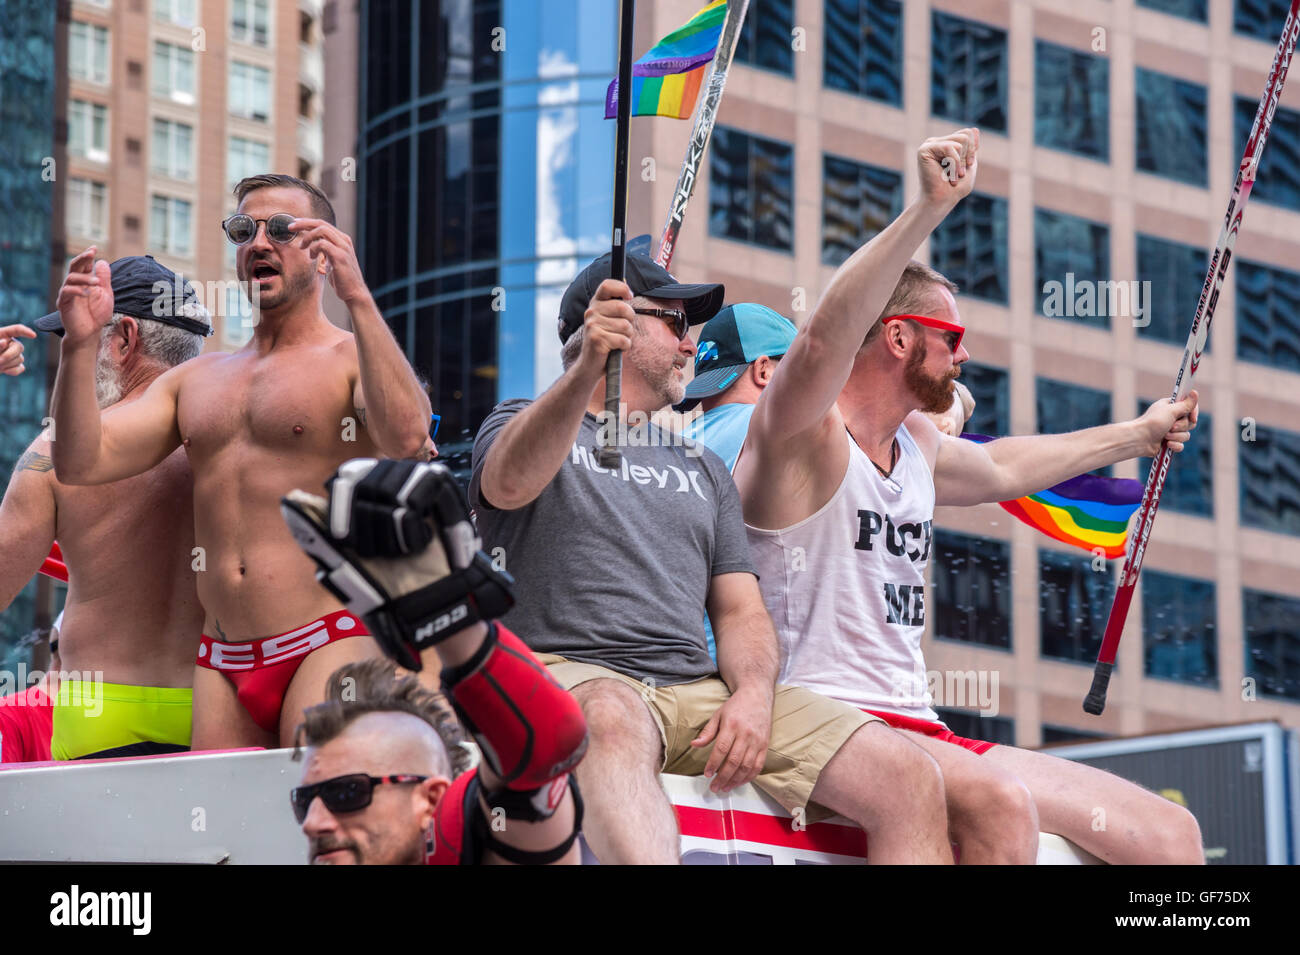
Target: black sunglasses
[(241, 229), (343, 793), (675, 318)]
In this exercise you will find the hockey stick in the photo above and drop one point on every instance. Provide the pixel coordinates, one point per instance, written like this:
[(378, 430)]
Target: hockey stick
[(1095, 702), (705, 116), (607, 453)]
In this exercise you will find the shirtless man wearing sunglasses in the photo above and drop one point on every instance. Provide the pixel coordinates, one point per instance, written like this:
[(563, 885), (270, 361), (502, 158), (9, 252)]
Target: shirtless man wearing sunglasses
[(284, 411), (853, 507)]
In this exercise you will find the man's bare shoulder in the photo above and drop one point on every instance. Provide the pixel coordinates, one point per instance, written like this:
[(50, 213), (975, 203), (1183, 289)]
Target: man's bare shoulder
[(37, 457)]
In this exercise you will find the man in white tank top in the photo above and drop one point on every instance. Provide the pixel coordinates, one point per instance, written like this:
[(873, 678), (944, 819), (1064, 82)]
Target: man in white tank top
[(840, 530)]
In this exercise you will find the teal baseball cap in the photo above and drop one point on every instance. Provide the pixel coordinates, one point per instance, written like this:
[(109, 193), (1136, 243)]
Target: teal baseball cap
[(729, 342)]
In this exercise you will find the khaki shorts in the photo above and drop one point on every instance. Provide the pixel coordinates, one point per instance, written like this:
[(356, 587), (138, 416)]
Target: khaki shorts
[(807, 729)]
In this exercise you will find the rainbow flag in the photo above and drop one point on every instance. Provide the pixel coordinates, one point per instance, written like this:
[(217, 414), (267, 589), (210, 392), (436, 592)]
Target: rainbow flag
[(1088, 511), (667, 80)]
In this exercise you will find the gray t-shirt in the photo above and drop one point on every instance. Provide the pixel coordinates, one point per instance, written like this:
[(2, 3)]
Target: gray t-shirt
[(614, 566)]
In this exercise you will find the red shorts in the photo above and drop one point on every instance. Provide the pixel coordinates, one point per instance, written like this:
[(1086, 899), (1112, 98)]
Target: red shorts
[(935, 730), (261, 670)]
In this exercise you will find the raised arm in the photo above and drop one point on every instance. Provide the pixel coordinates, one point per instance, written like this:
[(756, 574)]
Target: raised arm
[(530, 449), (968, 473), (817, 366), (131, 438), (26, 521), (388, 398)]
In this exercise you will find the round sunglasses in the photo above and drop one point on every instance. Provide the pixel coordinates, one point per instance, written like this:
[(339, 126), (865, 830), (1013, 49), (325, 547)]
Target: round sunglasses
[(343, 793), (241, 229)]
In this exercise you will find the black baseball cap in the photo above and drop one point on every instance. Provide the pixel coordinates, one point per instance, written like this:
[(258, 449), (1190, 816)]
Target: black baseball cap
[(732, 340), (644, 277), (145, 288)]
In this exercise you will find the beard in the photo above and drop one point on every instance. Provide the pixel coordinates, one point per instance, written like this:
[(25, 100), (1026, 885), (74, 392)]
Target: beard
[(934, 394), (108, 377), (658, 369)]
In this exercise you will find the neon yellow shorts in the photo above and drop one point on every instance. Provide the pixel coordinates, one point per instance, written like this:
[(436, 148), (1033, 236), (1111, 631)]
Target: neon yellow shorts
[(91, 717)]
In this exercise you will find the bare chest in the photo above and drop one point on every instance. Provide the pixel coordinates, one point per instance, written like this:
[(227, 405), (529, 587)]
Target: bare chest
[(301, 400)]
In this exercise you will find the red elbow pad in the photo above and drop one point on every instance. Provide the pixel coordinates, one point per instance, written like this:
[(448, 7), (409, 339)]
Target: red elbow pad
[(528, 727)]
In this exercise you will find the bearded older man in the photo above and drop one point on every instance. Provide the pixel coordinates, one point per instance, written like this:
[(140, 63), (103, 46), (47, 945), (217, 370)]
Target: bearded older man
[(132, 618)]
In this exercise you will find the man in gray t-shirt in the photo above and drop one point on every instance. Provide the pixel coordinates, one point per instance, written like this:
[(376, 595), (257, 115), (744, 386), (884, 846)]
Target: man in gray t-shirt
[(615, 569), (669, 518)]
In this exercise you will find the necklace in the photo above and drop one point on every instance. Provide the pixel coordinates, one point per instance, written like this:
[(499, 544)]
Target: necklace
[(893, 458)]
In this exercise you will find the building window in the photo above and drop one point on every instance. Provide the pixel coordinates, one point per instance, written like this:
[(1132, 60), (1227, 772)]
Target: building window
[(1074, 602), (87, 208), (173, 72), (88, 52), (170, 226), (972, 725), (1189, 483), (1072, 269), (1278, 178), (250, 91), (968, 72), (88, 130), (1273, 642), (250, 22), (765, 39), (1063, 407), (857, 202), (172, 153), (1268, 315), (1188, 9), (246, 157), (972, 589), (179, 12), (1071, 100), (1171, 127), (864, 48), (1269, 473), (970, 247), (991, 389), (1261, 19), (1179, 628), (1175, 272), (751, 189)]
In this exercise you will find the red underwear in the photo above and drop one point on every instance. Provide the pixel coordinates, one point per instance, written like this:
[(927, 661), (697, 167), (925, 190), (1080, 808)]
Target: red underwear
[(937, 730), (261, 670)]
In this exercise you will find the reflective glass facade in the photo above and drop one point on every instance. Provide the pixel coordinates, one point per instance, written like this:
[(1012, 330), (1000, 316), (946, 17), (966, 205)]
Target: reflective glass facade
[(481, 198), (1071, 100), (1170, 134), (1269, 477), (864, 48), (1074, 601), (1179, 628), (751, 189), (970, 247), (858, 200), (27, 183), (972, 589), (765, 39), (968, 72)]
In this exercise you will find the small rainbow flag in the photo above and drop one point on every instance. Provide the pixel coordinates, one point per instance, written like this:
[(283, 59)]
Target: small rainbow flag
[(1087, 511), (667, 80)]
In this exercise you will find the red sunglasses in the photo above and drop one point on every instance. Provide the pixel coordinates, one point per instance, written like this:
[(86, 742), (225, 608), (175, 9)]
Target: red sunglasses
[(958, 330)]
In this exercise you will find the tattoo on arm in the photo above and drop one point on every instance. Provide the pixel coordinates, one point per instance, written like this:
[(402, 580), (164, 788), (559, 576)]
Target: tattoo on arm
[(361, 416), (32, 461)]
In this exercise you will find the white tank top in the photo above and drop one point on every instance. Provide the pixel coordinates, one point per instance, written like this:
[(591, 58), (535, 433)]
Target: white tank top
[(846, 586)]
